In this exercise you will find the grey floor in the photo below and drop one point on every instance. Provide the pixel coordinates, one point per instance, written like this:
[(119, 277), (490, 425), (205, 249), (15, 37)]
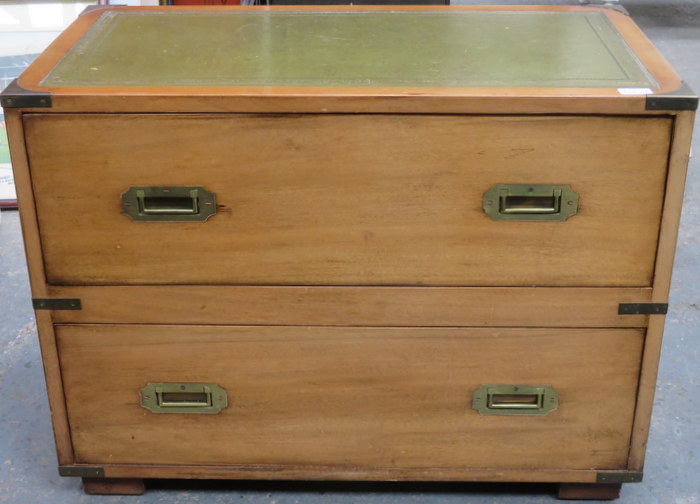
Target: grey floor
[(27, 461)]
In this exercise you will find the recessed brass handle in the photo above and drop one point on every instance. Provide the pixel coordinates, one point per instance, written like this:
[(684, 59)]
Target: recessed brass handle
[(183, 398), (515, 399), (169, 203), (530, 202)]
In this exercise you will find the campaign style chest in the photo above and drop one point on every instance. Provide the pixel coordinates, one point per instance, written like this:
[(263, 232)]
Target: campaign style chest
[(351, 243)]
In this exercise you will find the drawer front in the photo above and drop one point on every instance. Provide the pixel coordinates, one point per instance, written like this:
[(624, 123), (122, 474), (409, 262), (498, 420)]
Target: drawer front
[(348, 199), (354, 397)]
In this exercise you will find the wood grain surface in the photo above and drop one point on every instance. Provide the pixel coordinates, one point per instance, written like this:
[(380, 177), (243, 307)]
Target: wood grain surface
[(365, 397), (353, 306), (37, 280), (339, 472), (348, 199), (675, 186)]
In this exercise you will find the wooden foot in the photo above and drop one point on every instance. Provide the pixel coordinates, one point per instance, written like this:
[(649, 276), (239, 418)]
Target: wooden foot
[(113, 486), (589, 491)]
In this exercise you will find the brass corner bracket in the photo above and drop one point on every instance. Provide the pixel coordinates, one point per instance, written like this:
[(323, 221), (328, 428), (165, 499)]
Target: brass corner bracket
[(56, 304), (642, 309), (683, 98), (82, 471), (15, 96), (619, 477)]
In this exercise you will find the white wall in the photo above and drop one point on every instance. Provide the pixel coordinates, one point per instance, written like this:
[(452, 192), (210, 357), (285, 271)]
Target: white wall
[(29, 28)]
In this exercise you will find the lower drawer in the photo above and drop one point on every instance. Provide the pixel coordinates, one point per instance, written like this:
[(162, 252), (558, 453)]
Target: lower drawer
[(354, 397)]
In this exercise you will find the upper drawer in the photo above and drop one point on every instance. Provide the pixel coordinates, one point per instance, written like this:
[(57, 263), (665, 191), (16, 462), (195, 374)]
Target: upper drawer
[(348, 199)]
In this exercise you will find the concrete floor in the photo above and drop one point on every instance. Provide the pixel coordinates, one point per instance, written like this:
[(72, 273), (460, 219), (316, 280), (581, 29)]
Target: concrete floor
[(27, 460)]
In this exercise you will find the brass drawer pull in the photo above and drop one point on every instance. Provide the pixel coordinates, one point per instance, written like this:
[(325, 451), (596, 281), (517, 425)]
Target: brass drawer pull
[(530, 202), (169, 203), (515, 399), (183, 398)]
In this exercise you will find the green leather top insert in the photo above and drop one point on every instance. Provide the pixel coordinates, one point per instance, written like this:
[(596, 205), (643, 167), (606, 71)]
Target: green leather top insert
[(283, 48)]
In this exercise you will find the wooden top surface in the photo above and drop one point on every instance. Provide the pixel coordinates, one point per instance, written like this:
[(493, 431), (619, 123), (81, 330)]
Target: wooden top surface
[(351, 59)]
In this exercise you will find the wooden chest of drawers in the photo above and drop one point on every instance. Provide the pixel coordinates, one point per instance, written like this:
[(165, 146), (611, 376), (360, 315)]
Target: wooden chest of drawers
[(369, 244)]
